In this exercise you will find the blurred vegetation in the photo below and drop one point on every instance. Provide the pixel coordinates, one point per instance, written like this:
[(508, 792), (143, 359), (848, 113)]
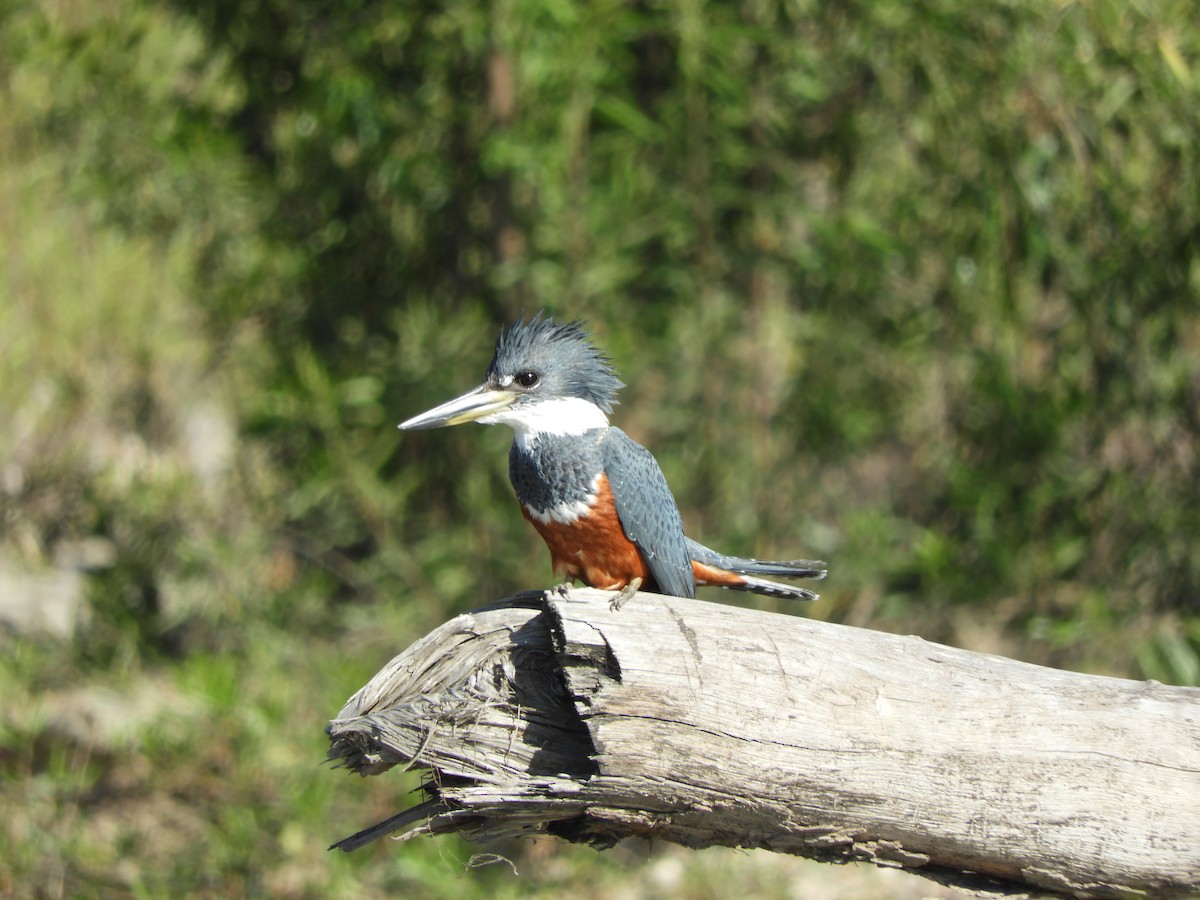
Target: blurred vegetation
[(911, 286)]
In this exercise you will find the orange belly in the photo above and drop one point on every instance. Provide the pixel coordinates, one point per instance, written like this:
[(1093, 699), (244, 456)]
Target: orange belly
[(593, 549)]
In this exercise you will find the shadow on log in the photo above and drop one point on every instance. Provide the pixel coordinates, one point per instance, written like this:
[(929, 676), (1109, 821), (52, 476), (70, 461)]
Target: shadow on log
[(706, 724)]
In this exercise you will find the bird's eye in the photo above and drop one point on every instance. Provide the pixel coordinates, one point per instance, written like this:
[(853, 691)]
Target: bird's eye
[(527, 379)]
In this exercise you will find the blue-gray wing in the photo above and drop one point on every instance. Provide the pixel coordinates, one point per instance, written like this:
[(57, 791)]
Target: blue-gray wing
[(648, 512)]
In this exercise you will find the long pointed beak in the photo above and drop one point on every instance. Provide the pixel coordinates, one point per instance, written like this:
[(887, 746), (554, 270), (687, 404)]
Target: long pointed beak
[(476, 404)]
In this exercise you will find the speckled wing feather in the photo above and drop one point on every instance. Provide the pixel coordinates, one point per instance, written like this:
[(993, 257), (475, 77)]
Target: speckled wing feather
[(648, 512)]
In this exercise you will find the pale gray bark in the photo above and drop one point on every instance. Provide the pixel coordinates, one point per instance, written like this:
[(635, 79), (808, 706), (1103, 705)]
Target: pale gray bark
[(702, 724)]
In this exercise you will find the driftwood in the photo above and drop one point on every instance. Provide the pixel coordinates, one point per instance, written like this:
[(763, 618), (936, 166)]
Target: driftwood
[(706, 724)]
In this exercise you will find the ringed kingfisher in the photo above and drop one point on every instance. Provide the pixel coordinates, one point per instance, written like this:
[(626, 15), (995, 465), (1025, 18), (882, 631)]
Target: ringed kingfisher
[(597, 497)]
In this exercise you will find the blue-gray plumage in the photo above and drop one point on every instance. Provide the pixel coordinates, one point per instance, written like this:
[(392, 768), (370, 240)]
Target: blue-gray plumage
[(597, 497), (568, 365), (648, 513), (555, 471)]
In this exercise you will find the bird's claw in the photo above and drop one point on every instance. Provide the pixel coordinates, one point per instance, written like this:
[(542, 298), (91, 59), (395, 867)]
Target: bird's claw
[(558, 592), (625, 594)]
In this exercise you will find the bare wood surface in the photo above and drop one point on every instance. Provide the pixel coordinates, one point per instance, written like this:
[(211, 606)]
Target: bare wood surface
[(706, 724)]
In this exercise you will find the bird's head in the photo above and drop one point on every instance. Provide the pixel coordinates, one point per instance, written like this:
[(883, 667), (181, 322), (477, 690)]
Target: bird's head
[(545, 378)]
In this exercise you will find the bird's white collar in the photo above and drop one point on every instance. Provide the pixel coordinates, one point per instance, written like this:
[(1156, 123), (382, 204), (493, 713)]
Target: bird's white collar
[(557, 418)]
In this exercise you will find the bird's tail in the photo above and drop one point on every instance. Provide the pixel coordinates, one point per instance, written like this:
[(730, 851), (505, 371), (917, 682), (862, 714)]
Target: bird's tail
[(749, 571)]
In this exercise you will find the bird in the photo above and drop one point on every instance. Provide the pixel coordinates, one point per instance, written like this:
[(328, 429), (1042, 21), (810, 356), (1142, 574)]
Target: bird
[(598, 498)]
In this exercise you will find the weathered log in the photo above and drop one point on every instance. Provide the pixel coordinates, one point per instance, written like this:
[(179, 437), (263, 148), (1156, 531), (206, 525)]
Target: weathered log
[(706, 724)]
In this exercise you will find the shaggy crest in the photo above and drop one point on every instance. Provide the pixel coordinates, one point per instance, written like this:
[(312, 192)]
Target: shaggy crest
[(544, 346)]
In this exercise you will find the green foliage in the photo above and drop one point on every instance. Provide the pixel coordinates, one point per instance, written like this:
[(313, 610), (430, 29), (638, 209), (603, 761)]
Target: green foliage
[(1173, 655), (910, 286)]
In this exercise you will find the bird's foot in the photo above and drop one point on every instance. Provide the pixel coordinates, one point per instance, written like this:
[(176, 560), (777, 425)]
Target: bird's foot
[(558, 592), (625, 594)]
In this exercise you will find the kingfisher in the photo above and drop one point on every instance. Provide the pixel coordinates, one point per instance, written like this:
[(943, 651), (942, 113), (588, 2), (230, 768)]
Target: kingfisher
[(596, 496)]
